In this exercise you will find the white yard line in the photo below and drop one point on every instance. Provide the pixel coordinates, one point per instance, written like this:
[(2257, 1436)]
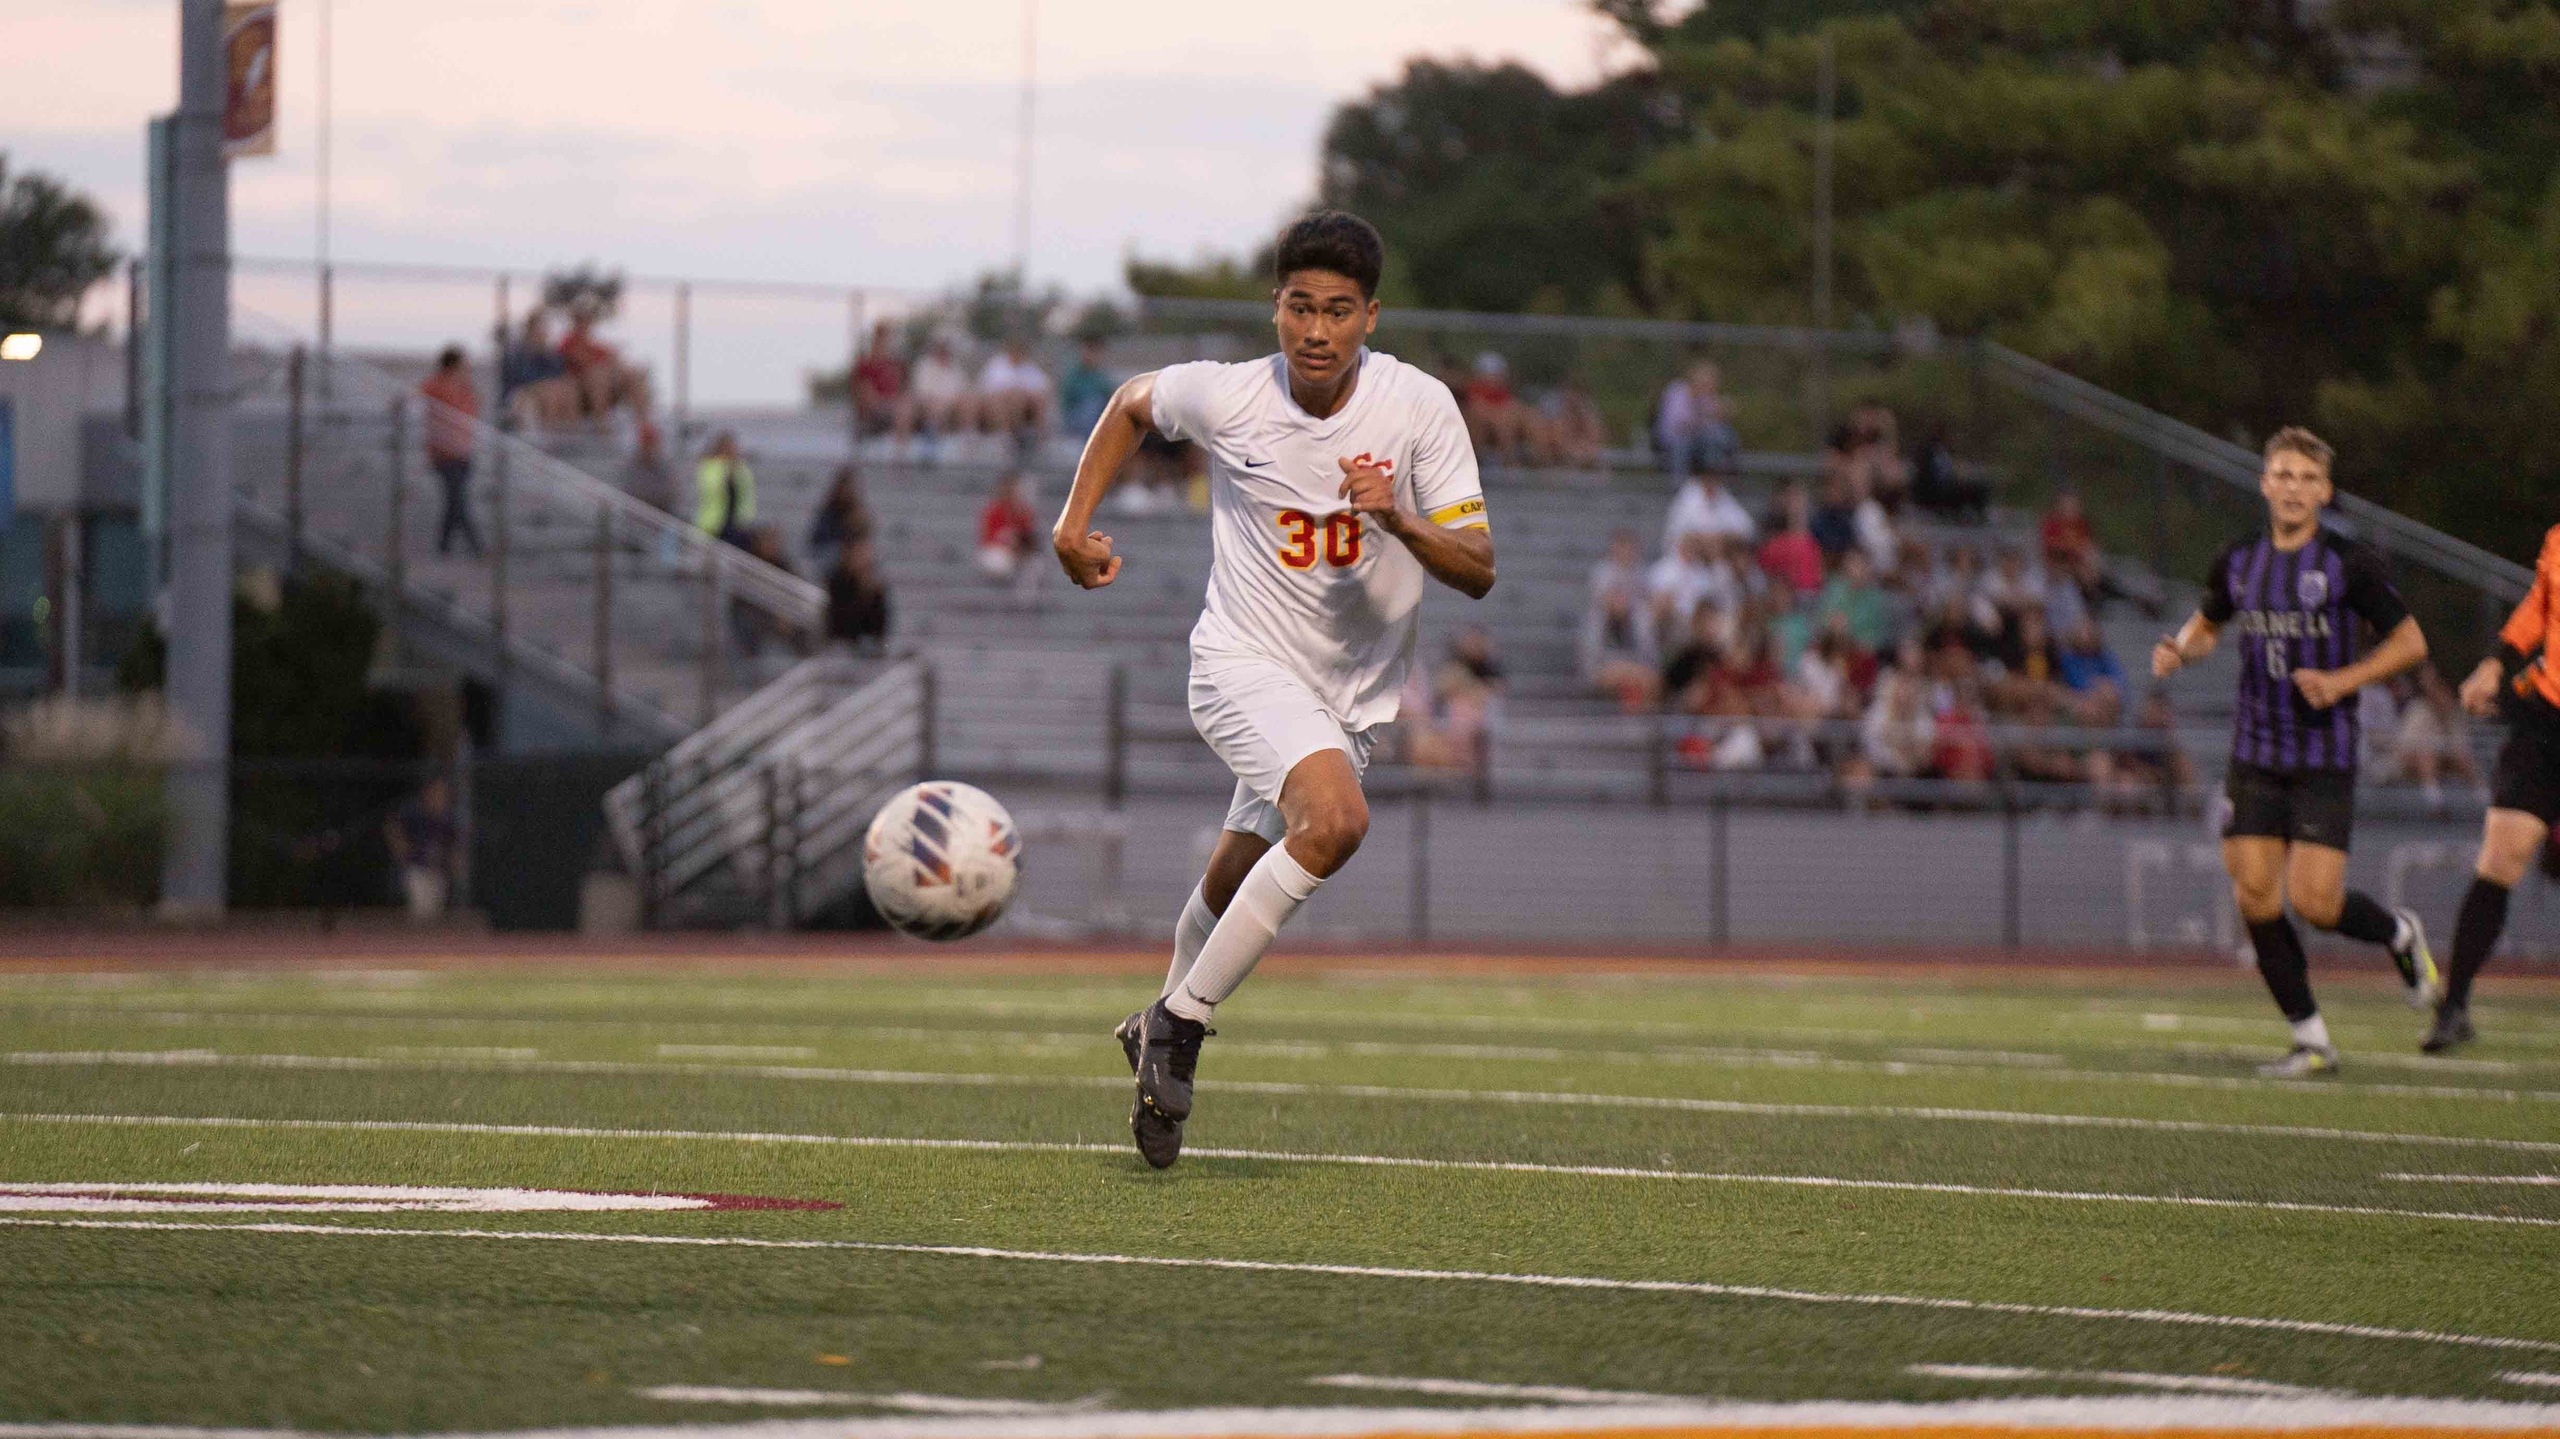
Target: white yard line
[(2538, 1381), (2477, 1178), (1686, 1287), (2167, 1383), (201, 1058), (1738, 1058), (1282, 1156), (1474, 1389), (837, 1398)]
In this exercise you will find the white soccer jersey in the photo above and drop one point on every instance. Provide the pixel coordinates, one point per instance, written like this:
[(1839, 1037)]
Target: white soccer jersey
[(1295, 576)]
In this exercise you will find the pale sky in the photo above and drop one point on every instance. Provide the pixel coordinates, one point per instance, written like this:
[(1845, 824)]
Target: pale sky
[(840, 141)]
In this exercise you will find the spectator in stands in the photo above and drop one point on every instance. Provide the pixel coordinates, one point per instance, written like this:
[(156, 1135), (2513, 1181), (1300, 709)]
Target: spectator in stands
[(2433, 740), (2013, 588), (1822, 687), (1569, 430), (645, 476), (1622, 567), (1694, 575), (1877, 448), (533, 381), (1899, 736), (1853, 595), (843, 518), (857, 598), (1792, 556), (1704, 506), (1849, 516), (1013, 396), (938, 390), (1938, 487), (2090, 671), (879, 385), (2031, 663), (1616, 653), (724, 503), (1960, 751), (425, 847), (752, 624), (1460, 708), (1691, 427), (1085, 391), (1495, 416), (2071, 555), (453, 413), (603, 381), (1005, 534), (2152, 773)]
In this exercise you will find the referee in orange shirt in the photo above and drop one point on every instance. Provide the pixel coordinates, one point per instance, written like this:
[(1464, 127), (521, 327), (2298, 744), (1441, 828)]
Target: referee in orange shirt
[(2523, 677)]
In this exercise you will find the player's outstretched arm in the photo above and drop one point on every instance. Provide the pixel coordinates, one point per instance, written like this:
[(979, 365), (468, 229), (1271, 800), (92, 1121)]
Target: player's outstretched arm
[(2194, 640), (1083, 551), (1462, 559)]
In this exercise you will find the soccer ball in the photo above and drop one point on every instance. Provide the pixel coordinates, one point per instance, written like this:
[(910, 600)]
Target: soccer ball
[(941, 860)]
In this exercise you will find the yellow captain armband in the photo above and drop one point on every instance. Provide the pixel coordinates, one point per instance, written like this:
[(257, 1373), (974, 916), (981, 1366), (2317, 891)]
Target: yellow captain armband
[(1466, 514)]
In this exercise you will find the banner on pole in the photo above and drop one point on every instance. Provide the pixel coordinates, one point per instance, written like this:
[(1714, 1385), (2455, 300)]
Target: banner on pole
[(249, 91)]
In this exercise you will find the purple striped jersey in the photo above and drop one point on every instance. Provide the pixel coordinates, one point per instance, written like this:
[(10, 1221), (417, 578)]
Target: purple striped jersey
[(2292, 611)]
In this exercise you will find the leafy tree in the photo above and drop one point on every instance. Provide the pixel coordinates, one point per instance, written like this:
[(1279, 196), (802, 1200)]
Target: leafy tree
[(53, 247)]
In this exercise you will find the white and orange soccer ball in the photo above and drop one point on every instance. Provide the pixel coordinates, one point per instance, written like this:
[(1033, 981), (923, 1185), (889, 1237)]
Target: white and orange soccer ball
[(941, 860)]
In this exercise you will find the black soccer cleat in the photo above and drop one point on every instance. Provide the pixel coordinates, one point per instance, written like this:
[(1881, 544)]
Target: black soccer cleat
[(1168, 1054), (1159, 1139), (1127, 1034), (2451, 1029)]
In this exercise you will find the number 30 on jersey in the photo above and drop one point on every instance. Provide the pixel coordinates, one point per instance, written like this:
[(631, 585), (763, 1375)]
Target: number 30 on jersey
[(1305, 540)]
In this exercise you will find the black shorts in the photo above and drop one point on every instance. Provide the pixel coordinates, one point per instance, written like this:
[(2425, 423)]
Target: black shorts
[(2528, 772), (2298, 806)]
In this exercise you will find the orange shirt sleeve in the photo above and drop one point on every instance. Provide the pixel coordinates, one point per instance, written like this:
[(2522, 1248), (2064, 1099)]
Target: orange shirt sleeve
[(2529, 628)]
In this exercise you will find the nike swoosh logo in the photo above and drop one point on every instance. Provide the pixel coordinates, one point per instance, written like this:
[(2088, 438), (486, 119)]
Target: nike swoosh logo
[(1255, 464)]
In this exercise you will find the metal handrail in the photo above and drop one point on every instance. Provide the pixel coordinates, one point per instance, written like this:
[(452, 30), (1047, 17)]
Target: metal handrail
[(2235, 464)]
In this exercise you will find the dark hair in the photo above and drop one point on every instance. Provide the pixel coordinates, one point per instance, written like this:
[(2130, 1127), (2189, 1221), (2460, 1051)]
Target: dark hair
[(449, 357), (1334, 240)]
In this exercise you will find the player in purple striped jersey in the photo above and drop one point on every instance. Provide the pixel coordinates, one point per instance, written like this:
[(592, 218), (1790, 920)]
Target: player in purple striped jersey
[(2295, 594)]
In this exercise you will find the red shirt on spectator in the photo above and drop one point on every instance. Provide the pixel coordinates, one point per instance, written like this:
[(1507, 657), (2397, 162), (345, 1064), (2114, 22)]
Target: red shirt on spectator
[(1489, 392), (2067, 540), (1005, 522), (879, 378), (1792, 556), (580, 348), (1962, 750), (449, 418)]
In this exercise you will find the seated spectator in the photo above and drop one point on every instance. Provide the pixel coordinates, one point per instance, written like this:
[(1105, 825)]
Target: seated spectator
[(1464, 702), (2012, 589), (2039, 755), (1960, 750), (2151, 774), (1740, 687), (938, 394), (1877, 447), (1616, 653), (1495, 416), (843, 518), (857, 598), (1569, 430), (2433, 741), (1937, 487), (724, 492), (1854, 596), (1704, 506), (1791, 556), (753, 624), (1899, 736), (1622, 567), (1694, 575), (1007, 534), (879, 384), (2071, 554), (646, 477), (1822, 687), (533, 381), (1955, 603), (1085, 391), (603, 380), (1835, 520), (1013, 394), (2031, 663), (2091, 673), (1691, 427)]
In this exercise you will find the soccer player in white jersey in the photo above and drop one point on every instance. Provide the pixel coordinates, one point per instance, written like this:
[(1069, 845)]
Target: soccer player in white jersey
[(1339, 478)]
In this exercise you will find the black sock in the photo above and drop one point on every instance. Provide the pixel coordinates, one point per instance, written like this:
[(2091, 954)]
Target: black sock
[(2361, 918), (2475, 934), (2282, 965)]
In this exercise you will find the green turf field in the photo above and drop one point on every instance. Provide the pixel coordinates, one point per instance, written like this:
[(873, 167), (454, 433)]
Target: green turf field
[(1782, 1162)]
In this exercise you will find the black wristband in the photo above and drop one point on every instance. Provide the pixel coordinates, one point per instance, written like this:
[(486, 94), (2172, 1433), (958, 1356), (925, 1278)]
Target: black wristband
[(2511, 661)]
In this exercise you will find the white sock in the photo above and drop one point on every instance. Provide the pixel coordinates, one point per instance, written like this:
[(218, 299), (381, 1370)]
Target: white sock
[(1271, 892), (1189, 933), (2313, 1031)]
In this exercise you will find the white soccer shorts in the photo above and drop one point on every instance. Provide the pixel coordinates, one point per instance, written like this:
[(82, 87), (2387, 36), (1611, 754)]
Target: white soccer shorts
[(1261, 721)]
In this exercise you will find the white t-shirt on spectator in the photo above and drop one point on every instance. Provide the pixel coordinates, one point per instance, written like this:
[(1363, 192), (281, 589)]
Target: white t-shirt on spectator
[(1874, 530), (1294, 578), (1002, 376), (939, 379), (1694, 511), (1679, 586)]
